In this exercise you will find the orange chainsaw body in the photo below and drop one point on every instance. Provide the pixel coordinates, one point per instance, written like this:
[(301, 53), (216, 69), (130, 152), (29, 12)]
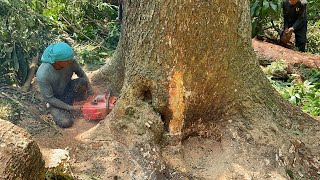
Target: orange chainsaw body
[(97, 107)]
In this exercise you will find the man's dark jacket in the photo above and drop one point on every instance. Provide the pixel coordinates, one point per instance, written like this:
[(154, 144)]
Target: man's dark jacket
[(296, 16)]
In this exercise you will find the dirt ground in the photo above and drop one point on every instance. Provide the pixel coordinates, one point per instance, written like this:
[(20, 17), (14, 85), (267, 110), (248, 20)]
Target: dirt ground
[(63, 138)]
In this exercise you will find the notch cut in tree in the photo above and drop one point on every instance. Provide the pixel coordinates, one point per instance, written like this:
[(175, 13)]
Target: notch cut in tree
[(189, 70)]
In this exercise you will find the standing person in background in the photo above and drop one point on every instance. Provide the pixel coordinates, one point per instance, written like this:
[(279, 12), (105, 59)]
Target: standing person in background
[(295, 20), (59, 90)]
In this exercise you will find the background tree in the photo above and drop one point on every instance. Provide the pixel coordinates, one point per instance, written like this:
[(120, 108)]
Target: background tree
[(190, 71)]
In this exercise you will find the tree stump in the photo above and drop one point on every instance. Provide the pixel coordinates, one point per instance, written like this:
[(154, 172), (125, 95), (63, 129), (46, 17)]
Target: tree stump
[(20, 156)]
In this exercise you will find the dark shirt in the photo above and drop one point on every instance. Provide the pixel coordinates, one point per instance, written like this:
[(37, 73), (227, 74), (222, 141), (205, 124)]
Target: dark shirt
[(294, 15), (53, 82)]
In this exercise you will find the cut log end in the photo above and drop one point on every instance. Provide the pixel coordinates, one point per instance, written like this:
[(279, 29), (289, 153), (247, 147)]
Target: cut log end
[(20, 155)]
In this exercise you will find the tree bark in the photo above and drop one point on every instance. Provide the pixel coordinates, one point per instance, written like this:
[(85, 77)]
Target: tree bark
[(20, 156), (190, 63), (190, 71), (33, 66), (111, 75)]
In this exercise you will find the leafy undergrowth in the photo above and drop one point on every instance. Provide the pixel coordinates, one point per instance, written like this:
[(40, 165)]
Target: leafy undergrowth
[(313, 35), (92, 57), (29, 26), (300, 85)]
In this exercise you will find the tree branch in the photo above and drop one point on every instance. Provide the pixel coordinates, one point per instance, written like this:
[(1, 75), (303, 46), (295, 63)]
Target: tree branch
[(33, 66)]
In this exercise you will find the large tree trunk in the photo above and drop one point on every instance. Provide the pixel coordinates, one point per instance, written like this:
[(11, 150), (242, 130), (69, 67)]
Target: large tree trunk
[(190, 71), (20, 156)]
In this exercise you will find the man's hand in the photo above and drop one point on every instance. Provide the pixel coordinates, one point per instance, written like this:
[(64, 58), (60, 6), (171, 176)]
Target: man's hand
[(290, 30), (77, 108)]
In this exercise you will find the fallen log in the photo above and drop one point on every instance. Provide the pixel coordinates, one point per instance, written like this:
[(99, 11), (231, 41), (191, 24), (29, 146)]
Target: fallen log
[(272, 52)]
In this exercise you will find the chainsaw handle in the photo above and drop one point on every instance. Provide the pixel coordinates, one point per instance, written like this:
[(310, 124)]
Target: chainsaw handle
[(108, 99)]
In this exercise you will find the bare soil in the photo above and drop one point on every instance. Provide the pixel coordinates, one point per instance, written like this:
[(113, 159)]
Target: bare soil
[(63, 138)]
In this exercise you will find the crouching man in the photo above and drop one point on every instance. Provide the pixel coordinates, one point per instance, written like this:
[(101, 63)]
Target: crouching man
[(59, 90), (295, 20)]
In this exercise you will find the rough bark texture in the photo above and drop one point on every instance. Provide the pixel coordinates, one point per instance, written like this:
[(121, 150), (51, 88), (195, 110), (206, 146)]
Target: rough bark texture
[(190, 70), (20, 156), (111, 75), (191, 63)]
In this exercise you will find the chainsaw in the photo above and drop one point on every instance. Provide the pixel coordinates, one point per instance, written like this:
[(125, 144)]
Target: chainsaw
[(97, 107)]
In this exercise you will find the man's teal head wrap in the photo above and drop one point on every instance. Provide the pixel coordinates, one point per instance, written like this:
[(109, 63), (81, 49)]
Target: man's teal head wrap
[(57, 52)]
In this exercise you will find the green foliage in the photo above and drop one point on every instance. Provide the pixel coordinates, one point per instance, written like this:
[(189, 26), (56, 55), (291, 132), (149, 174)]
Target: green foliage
[(262, 12), (94, 56), (305, 94), (86, 20), (277, 69), (313, 36), (296, 132), (290, 173), (312, 75), (23, 34), (313, 10), (113, 35), (28, 26)]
